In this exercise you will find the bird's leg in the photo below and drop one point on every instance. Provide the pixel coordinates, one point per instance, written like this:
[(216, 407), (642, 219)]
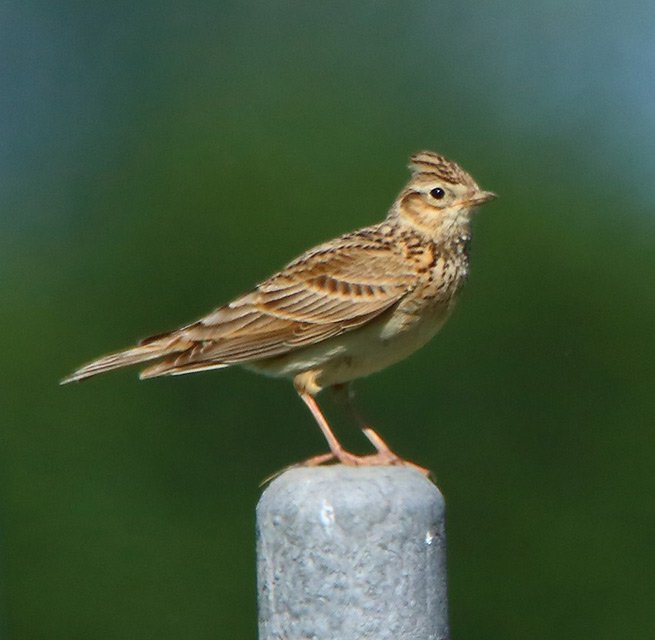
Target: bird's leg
[(345, 395), (385, 455), (336, 450), (306, 387)]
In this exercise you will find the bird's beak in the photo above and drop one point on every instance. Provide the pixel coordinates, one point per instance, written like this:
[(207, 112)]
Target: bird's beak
[(479, 198)]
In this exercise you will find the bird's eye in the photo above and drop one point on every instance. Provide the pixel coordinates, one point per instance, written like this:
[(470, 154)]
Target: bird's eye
[(437, 193)]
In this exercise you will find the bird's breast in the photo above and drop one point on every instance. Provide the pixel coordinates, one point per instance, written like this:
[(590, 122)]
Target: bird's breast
[(383, 341)]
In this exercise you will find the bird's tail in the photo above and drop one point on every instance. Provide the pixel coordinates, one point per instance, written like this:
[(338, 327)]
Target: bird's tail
[(149, 349)]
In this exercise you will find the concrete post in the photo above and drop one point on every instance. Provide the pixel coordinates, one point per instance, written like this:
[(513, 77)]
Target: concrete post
[(351, 553)]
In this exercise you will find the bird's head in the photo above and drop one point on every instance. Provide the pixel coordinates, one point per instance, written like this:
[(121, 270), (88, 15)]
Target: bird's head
[(440, 196)]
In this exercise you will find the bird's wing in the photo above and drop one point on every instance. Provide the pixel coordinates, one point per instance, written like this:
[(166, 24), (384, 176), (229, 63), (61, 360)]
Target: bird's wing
[(329, 290)]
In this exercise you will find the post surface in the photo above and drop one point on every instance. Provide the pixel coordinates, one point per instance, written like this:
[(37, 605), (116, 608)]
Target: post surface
[(349, 553)]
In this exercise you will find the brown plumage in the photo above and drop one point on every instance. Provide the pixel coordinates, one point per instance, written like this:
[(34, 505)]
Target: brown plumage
[(341, 310)]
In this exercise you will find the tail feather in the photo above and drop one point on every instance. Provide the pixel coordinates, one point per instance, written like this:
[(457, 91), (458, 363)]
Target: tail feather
[(169, 368), (142, 353)]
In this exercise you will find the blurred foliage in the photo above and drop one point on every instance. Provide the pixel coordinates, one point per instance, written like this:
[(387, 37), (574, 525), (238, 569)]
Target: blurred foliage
[(159, 158)]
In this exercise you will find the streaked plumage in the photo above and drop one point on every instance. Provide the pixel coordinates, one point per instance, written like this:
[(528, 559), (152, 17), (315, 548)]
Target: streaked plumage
[(344, 309)]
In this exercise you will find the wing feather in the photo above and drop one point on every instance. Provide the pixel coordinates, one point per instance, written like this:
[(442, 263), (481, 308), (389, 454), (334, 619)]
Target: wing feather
[(327, 291)]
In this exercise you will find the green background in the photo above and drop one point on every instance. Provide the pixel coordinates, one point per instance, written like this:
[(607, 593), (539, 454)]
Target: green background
[(159, 158)]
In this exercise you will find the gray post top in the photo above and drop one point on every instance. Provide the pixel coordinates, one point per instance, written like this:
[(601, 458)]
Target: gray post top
[(381, 489), (348, 553)]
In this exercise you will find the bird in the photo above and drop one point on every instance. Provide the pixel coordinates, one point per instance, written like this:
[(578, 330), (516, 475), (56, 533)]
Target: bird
[(342, 310)]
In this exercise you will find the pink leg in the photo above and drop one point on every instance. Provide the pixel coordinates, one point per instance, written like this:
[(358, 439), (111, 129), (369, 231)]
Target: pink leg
[(335, 446), (384, 455), (345, 393)]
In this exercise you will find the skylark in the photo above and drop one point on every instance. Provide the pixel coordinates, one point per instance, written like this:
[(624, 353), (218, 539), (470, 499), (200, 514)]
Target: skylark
[(342, 310)]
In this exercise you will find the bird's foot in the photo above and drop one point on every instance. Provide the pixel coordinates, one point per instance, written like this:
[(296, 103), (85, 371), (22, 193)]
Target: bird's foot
[(380, 459), (385, 457), (316, 461)]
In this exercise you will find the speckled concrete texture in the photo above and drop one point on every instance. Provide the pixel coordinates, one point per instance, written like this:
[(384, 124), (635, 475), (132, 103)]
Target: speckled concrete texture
[(350, 553)]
